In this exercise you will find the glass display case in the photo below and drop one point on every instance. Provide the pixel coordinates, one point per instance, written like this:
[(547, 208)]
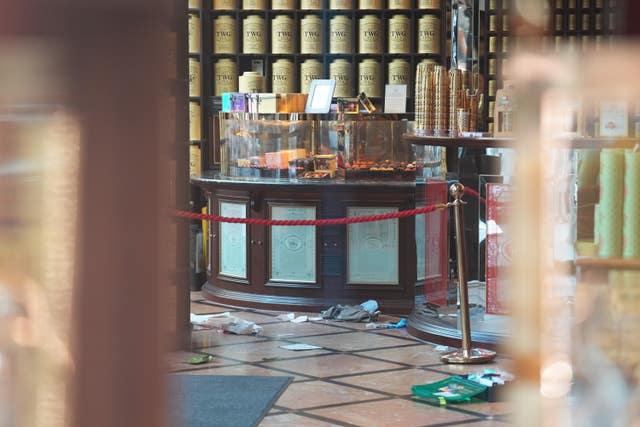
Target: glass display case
[(299, 146)]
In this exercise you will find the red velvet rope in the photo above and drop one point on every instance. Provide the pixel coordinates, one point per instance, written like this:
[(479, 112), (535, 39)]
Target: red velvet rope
[(332, 221), (474, 193)]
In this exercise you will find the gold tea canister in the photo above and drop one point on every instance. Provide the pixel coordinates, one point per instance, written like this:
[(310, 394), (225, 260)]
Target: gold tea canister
[(558, 22), (429, 34), (194, 77), (398, 72), (341, 71), (399, 30), (195, 160), (585, 22), (369, 77), (224, 4), (224, 34), (370, 4), (253, 35), (311, 4), (283, 4), (492, 67), (251, 82), (340, 4), (194, 34), (310, 69), (225, 76), (493, 42), (340, 35), (311, 35), (586, 4), (370, 35), (399, 4), (493, 19), (572, 22), (194, 121), (505, 44), (429, 4), (282, 35), (283, 76), (493, 4), (505, 23), (492, 88), (254, 4), (193, 4)]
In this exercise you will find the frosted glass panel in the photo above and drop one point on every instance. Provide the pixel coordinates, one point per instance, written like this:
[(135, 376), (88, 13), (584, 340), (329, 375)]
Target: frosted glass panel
[(293, 248), (233, 241), (373, 248)]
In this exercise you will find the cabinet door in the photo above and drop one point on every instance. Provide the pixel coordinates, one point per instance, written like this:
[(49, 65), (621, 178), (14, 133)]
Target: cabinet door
[(231, 251)]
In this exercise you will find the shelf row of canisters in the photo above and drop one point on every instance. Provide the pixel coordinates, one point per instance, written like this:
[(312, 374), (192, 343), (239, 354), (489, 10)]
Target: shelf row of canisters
[(255, 35)]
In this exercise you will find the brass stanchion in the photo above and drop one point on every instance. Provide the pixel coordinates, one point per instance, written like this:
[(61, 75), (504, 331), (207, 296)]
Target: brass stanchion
[(466, 354)]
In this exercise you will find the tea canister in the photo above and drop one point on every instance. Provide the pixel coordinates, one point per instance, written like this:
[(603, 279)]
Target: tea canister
[(341, 71), (429, 34), (194, 34), (282, 35), (398, 72), (194, 77), (224, 4), (224, 34), (311, 4), (369, 77), (399, 29), (370, 35), (311, 35), (254, 4), (283, 76), (283, 4), (399, 4), (310, 69), (253, 35), (251, 82), (429, 4), (340, 4), (193, 4), (225, 76), (194, 121), (370, 4), (340, 35)]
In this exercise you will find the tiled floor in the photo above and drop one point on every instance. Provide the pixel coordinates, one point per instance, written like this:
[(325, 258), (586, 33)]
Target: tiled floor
[(360, 377)]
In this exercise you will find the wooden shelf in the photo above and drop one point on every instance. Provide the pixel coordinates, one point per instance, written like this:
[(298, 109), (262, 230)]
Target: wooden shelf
[(608, 263), (484, 142), (598, 143)]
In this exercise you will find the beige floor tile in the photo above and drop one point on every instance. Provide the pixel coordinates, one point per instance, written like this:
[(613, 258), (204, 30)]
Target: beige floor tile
[(257, 351), (288, 329), (243, 369), (490, 408), (332, 365), (204, 339), (353, 341), (392, 413), (417, 355), (293, 420), (256, 317), (310, 394), (395, 382), (202, 308)]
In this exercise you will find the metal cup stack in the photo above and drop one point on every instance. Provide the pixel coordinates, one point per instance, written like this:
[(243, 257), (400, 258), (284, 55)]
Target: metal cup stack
[(471, 104), (456, 98), (440, 101), (424, 98), (462, 121)]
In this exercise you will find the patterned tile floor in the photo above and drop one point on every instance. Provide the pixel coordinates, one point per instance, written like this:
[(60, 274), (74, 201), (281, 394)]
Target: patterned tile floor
[(360, 377)]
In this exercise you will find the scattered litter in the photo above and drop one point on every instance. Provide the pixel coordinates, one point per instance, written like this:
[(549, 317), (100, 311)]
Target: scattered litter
[(284, 335), (314, 319), (441, 348), (300, 347), (300, 319), (371, 306), (452, 389), (287, 317), (227, 323), (494, 381), (272, 359), (198, 360), (349, 313), (400, 324)]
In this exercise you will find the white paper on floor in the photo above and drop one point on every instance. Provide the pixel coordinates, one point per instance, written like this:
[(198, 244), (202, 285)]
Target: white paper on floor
[(300, 347), (228, 323)]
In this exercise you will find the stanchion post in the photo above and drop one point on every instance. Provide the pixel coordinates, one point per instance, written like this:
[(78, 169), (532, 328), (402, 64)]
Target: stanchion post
[(466, 354)]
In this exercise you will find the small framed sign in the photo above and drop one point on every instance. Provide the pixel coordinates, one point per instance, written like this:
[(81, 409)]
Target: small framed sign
[(395, 99), (320, 96), (614, 118)]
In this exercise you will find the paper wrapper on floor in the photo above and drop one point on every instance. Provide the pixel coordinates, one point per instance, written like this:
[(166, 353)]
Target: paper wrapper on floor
[(611, 194), (631, 206)]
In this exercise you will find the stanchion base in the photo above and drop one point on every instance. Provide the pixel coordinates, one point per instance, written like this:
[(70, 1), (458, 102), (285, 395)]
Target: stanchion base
[(475, 355)]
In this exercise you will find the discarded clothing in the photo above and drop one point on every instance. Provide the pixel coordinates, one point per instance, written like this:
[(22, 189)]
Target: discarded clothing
[(349, 313)]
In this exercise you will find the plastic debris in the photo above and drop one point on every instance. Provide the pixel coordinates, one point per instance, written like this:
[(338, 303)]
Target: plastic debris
[(198, 360), (371, 306), (227, 323), (300, 347), (400, 324)]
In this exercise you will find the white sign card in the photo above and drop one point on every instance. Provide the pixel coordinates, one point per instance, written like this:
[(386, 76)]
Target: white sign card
[(614, 119), (395, 99)]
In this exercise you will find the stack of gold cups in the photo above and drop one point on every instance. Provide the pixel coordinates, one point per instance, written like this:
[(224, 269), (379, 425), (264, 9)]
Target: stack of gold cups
[(456, 100), (424, 98), (471, 103), (440, 101)]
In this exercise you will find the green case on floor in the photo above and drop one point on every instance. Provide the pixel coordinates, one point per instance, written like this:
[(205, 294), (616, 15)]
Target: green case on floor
[(452, 389)]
